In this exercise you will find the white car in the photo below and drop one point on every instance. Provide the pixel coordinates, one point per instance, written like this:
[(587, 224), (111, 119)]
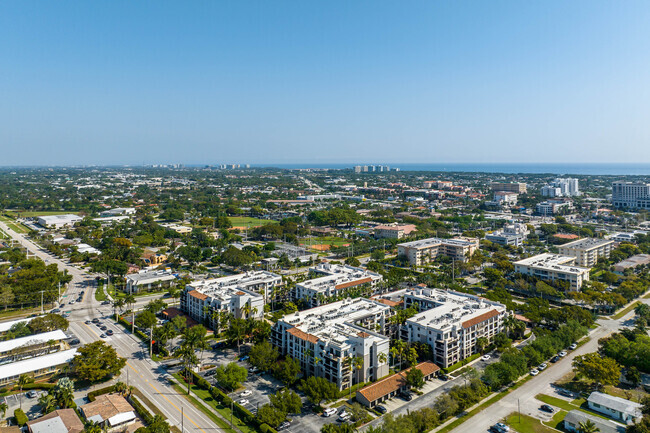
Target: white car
[(344, 417), (485, 357), (573, 346), (329, 411), (542, 366), (501, 426), (243, 402), (534, 372), (562, 354), (246, 393)]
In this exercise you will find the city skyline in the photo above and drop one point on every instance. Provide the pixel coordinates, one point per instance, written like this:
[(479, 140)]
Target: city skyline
[(468, 82)]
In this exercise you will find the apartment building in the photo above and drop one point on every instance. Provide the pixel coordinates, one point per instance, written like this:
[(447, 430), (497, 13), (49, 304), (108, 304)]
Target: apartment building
[(553, 207), (512, 234), (451, 322), (323, 338), (554, 267), (505, 198), (148, 280), (58, 221), (394, 231), (201, 299), (32, 346), (426, 250), (562, 187), (335, 281), (516, 187), (631, 195), (587, 251)]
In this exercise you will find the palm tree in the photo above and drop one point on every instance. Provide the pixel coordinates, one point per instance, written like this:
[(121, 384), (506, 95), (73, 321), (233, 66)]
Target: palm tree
[(130, 301), (63, 392), (382, 358), (3, 408), (587, 427), (188, 358), (481, 344), (23, 380), (47, 402), (120, 387), (117, 306), (174, 293), (93, 427)]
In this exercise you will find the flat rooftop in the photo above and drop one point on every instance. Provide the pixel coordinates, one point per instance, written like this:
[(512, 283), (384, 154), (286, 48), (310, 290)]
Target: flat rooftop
[(587, 243), (430, 242), (339, 275), (32, 340), (150, 276), (452, 309), (556, 262), (37, 363), (239, 281), (334, 322)]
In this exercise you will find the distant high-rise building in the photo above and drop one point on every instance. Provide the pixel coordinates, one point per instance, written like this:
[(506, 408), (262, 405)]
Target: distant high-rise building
[(357, 169), (562, 188), (632, 195), (516, 187)]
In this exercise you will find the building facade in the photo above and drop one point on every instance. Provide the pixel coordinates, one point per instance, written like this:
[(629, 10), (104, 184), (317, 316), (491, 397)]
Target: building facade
[(587, 251), (324, 338), (426, 250), (396, 231), (631, 195), (146, 281), (554, 267), (516, 187), (512, 234), (451, 322)]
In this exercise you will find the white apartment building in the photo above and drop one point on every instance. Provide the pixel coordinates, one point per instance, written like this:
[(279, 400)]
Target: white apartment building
[(562, 187), (322, 338), (451, 322), (58, 221), (336, 280), (201, 299), (148, 280), (505, 198), (426, 250), (552, 207), (632, 195), (551, 191), (554, 267), (512, 234), (394, 231), (262, 282), (587, 251)]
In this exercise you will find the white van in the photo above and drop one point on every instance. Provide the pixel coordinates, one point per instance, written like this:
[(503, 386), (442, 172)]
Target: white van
[(329, 411)]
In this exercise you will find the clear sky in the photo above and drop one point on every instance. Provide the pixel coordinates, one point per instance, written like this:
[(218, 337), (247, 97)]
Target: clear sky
[(270, 81)]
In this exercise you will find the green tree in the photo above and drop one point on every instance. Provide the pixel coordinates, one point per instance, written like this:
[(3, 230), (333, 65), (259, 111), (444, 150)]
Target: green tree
[(63, 392), (270, 415), (415, 378), (601, 369), (47, 403), (187, 355), (287, 371), (481, 344), (147, 320), (23, 380), (47, 323), (231, 376), (286, 401), (264, 356), (97, 360), (587, 426), (3, 408), (318, 389)]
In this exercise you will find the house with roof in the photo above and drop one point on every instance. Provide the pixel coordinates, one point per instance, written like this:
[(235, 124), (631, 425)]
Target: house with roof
[(149, 280), (111, 411), (59, 421), (574, 418), (389, 387), (37, 367), (617, 408)]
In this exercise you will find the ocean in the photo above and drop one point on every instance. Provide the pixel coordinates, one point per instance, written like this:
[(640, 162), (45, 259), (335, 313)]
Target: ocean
[(510, 168)]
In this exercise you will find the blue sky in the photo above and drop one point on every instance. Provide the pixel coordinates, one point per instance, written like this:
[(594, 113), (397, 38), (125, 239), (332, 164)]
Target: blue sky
[(130, 82)]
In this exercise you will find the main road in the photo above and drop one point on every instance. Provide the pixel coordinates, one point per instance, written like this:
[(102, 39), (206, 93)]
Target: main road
[(140, 371)]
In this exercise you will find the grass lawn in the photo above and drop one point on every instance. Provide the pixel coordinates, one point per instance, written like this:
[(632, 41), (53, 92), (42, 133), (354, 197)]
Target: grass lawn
[(29, 214), (647, 296), (527, 424), (567, 406), (100, 293), (17, 227), (628, 394), (556, 421), (249, 222), (626, 310), (223, 410)]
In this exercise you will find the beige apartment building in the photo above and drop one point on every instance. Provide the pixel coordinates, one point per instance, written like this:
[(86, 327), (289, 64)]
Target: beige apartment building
[(516, 187), (587, 251), (554, 267), (426, 250)]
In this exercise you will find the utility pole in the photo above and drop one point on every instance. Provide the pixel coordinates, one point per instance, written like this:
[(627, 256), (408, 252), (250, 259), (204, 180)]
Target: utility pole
[(42, 291), (519, 411), (182, 419)]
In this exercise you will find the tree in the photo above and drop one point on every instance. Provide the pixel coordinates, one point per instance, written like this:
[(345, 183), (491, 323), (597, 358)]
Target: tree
[(231, 376), (129, 300), (264, 356), (147, 320), (236, 331), (97, 360), (156, 306), (286, 401), (587, 426), (602, 370), (358, 412), (47, 323), (270, 415), (118, 304), (318, 389), (445, 405), (502, 342), (415, 378), (288, 370), (23, 380), (47, 402), (632, 375), (3, 408), (158, 425), (6, 296), (94, 427), (481, 344), (63, 392), (188, 358)]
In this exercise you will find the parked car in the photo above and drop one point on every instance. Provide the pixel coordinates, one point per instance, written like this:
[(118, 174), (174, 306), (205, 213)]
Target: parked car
[(562, 354), (103, 328), (555, 359), (381, 409), (88, 322), (245, 393), (547, 408), (95, 320), (444, 377), (565, 392), (284, 425), (542, 366), (329, 411), (74, 342), (534, 372), (32, 394), (106, 303), (574, 346), (485, 357), (501, 426), (109, 332), (244, 358), (253, 370), (102, 336), (343, 417), (243, 402), (406, 396)]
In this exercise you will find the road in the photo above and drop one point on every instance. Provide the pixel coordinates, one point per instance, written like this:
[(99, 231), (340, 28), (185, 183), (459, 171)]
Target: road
[(141, 372), (524, 396)]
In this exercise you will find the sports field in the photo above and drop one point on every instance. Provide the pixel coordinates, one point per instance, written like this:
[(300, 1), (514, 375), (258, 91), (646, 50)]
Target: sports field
[(248, 222), (324, 243), (30, 214)]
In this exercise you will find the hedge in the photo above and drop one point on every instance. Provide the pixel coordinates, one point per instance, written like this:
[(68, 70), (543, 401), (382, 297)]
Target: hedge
[(265, 428), (140, 409), (35, 386), (21, 418), (92, 395)]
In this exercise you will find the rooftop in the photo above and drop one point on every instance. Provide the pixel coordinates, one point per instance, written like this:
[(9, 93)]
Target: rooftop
[(32, 340), (334, 322), (617, 403), (340, 276), (59, 421), (587, 243), (425, 243), (452, 309), (548, 261), (394, 382), (37, 363), (576, 416), (106, 407), (142, 277)]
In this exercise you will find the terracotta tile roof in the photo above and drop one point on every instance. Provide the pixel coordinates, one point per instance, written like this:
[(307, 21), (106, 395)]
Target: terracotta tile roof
[(353, 283), (198, 295), (522, 318), (240, 293), (303, 335), (363, 334), (479, 319), (393, 383), (107, 406), (68, 416), (565, 236), (389, 302)]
